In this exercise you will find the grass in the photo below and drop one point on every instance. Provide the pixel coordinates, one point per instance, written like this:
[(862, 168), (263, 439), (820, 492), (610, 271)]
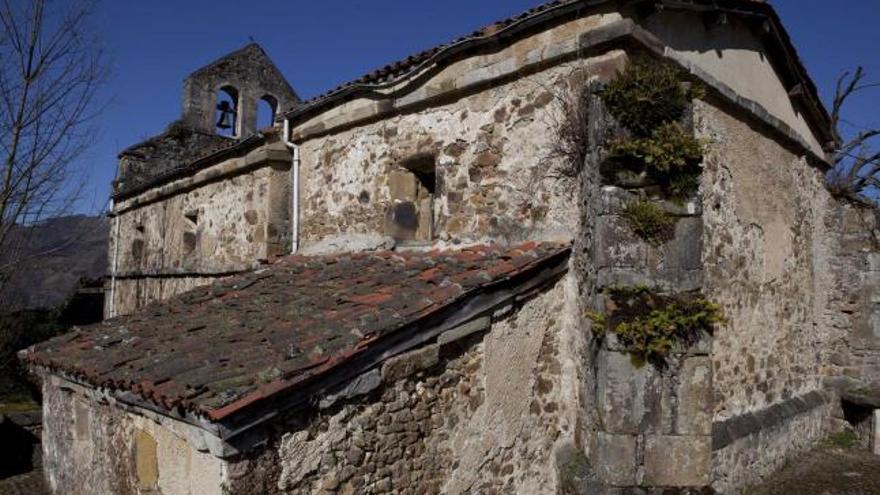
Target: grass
[(845, 439), (18, 403)]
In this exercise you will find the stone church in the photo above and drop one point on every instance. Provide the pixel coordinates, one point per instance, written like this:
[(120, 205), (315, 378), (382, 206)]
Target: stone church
[(586, 249)]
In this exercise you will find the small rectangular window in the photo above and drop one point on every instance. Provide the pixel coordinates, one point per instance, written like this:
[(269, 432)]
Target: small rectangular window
[(410, 216)]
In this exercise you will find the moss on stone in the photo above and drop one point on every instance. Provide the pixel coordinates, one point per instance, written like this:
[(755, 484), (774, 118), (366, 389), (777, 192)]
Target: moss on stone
[(845, 439), (649, 221)]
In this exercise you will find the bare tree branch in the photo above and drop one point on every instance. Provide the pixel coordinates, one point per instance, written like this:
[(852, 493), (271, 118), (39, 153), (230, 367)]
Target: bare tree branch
[(856, 167), (50, 71)]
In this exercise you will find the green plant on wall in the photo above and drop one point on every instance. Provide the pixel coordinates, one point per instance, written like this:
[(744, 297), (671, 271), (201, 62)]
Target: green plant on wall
[(670, 157), (651, 325), (649, 99), (649, 221), (647, 95)]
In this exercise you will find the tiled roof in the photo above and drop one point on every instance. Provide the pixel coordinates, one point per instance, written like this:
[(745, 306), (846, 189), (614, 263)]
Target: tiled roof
[(176, 154), (218, 349)]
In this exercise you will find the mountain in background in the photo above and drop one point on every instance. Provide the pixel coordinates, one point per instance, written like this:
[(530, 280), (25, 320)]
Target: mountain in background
[(57, 254)]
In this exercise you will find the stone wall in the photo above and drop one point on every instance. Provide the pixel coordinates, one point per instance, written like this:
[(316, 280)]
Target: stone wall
[(481, 415), (854, 302), (224, 219), (495, 174), (92, 445), (749, 447), (649, 425), (766, 255)]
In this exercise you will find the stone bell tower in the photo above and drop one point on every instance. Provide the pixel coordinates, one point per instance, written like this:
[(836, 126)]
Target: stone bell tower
[(243, 78)]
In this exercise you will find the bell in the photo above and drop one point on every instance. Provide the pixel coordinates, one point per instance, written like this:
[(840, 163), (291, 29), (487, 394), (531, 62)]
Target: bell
[(227, 115)]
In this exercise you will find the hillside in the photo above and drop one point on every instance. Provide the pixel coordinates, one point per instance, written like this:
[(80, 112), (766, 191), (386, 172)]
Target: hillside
[(58, 252)]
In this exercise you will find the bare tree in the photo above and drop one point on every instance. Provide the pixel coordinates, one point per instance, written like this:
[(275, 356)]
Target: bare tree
[(50, 70), (856, 164)]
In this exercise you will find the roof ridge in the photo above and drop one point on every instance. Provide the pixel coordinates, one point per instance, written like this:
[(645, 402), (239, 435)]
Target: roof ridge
[(250, 46)]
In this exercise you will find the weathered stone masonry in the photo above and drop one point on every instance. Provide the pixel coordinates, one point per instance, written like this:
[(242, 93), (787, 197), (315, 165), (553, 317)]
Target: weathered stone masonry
[(192, 206), (496, 175), (456, 147), (477, 415), (765, 210), (647, 427), (222, 220)]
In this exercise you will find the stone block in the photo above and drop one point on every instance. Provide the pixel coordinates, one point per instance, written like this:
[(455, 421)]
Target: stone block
[(677, 461), (616, 245), (574, 471), (488, 73), (629, 397), (613, 200), (679, 261), (689, 208), (347, 243), (695, 397), (616, 459), (402, 185), (611, 277), (81, 420), (406, 364), (874, 262)]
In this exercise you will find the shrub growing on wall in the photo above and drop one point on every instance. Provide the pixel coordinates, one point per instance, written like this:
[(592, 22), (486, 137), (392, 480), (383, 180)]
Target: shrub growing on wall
[(651, 325), (670, 157), (649, 99), (647, 95)]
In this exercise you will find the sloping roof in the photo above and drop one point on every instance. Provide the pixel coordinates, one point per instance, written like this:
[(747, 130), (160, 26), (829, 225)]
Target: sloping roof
[(175, 154), (216, 350), (544, 14)]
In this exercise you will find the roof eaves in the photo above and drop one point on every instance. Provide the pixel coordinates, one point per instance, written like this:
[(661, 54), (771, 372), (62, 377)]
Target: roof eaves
[(514, 273), (275, 398), (393, 73)]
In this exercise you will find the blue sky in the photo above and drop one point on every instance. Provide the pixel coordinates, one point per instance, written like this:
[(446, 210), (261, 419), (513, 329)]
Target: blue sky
[(319, 45)]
